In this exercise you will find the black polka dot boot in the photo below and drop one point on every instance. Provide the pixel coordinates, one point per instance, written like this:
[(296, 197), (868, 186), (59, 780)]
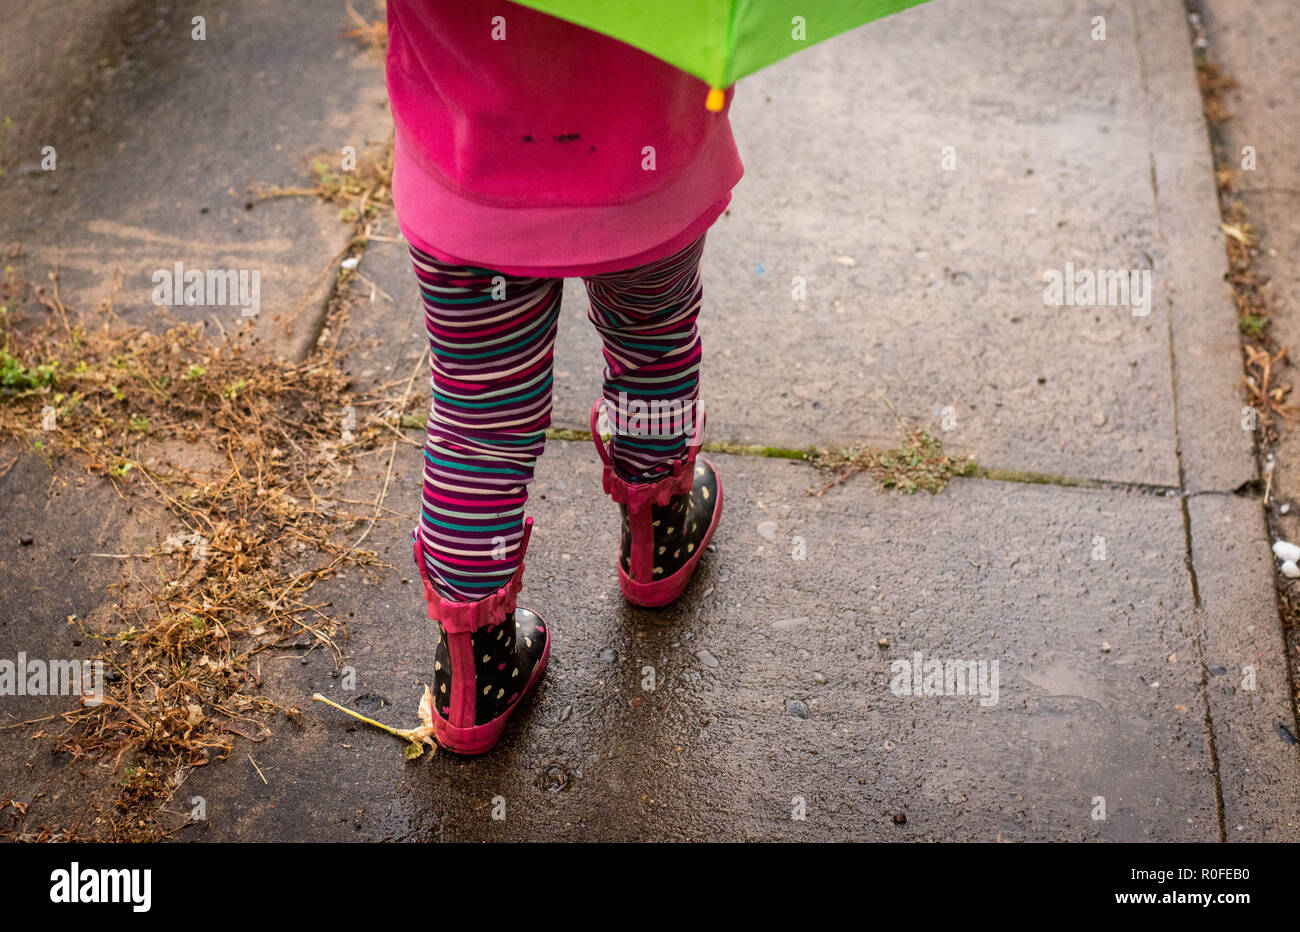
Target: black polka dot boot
[(667, 522), (489, 655)]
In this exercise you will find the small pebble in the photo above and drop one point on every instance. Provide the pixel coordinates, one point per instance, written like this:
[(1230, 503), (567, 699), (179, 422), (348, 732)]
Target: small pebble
[(636, 702), (568, 710), (900, 819), (1290, 570), (26, 540), (767, 530), (796, 708), (350, 263), (819, 678), (1105, 647), (706, 658), (883, 642), (1285, 550), (1284, 508)]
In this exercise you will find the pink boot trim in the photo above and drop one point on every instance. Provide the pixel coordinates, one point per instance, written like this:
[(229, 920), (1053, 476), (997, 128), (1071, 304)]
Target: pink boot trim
[(479, 739), (660, 592), (454, 726), (639, 496), (640, 587), (468, 617)]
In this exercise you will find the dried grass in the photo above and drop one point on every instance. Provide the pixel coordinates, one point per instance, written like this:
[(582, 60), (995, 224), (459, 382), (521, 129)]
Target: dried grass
[(255, 529), (919, 464)]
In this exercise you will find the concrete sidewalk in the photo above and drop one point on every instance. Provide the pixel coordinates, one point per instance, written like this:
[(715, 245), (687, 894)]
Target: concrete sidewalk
[(1118, 576)]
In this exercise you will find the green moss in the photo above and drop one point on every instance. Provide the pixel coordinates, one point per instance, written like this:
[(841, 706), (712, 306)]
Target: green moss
[(16, 377), (737, 449), (1019, 475), (1252, 324)]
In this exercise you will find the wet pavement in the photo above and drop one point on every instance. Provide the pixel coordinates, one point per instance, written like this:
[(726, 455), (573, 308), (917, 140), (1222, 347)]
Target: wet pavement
[(1116, 593), (770, 684), (164, 169)]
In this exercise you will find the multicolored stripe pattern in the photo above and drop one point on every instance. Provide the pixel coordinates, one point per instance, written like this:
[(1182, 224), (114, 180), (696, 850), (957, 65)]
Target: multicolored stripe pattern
[(647, 320), (492, 344)]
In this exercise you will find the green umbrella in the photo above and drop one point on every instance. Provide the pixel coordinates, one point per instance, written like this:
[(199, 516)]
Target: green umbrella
[(720, 41)]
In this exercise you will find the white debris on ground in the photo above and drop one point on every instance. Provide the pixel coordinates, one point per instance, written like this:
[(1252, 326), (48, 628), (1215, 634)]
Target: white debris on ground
[(1286, 551)]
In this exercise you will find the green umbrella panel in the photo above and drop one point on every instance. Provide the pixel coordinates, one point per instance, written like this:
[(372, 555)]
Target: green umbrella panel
[(720, 41)]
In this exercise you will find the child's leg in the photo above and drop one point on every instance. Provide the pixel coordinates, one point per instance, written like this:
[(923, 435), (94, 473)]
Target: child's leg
[(670, 501), (646, 318), (491, 340)]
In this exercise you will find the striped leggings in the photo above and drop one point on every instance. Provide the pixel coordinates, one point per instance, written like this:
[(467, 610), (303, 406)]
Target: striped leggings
[(492, 343)]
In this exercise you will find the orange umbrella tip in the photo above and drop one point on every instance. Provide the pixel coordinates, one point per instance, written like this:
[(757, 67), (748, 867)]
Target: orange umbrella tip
[(715, 99)]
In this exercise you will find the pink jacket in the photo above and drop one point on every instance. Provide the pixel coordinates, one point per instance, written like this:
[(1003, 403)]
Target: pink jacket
[(549, 150)]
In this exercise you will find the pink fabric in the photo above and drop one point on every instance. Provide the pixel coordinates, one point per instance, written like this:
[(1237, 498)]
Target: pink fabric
[(639, 496), (525, 154)]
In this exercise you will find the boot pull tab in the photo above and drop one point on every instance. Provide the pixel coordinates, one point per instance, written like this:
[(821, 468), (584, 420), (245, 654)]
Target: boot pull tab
[(595, 432)]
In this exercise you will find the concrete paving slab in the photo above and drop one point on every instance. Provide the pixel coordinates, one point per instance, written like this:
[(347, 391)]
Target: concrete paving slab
[(383, 334), (51, 55), (1254, 42), (52, 522), (984, 572), (1216, 453), (160, 172), (1248, 683), (943, 302)]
